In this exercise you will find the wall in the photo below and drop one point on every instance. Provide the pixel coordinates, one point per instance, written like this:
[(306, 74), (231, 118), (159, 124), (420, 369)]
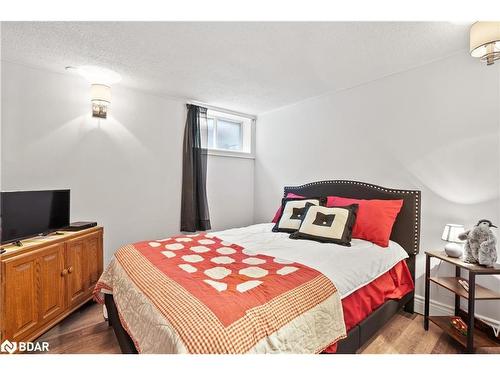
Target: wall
[(433, 128), (125, 172), (230, 191)]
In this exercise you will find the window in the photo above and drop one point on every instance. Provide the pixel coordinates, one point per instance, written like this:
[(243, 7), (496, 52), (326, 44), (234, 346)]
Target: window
[(224, 134), (228, 134)]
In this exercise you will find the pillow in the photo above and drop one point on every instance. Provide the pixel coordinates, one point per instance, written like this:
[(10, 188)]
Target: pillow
[(278, 213), (327, 224), (293, 210), (375, 217)]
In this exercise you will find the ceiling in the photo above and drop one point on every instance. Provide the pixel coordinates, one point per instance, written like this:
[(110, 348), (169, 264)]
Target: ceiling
[(252, 67)]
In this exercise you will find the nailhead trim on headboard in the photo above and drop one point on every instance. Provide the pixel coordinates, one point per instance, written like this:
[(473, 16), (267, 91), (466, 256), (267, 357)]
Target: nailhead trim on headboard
[(415, 193)]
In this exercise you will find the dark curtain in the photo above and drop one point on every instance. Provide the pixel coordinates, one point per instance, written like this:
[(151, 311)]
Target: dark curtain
[(194, 205)]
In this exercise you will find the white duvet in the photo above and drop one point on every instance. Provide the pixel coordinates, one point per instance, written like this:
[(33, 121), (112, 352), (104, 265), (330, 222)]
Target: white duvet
[(349, 268)]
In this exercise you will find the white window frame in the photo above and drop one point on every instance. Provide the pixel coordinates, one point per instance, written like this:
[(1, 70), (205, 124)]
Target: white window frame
[(247, 135)]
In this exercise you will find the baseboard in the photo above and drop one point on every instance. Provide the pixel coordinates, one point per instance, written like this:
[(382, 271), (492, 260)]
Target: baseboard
[(439, 308), (435, 307)]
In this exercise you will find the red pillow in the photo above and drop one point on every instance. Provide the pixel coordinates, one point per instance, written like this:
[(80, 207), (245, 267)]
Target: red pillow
[(278, 213), (375, 217)]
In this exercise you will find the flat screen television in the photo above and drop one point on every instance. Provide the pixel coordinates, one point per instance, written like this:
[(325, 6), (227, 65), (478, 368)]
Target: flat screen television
[(29, 213)]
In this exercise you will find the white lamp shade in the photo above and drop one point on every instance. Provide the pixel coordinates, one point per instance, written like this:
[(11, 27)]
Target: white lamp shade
[(484, 38), (100, 93), (451, 232)]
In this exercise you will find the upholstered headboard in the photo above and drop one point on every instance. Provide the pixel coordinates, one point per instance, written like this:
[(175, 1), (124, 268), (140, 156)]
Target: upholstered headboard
[(406, 230)]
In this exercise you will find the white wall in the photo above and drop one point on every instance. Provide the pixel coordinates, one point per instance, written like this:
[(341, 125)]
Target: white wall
[(434, 128), (230, 191), (125, 172)]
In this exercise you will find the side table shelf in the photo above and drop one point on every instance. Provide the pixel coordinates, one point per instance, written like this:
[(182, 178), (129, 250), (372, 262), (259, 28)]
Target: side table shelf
[(451, 283), (475, 337)]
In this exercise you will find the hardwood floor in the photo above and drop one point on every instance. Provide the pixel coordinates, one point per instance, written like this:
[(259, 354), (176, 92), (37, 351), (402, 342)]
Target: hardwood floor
[(83, 332), (86, 331), (405, 334)]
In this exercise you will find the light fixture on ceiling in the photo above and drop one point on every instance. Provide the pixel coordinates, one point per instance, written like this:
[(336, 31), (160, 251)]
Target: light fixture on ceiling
[(485, 41), (100, 80)]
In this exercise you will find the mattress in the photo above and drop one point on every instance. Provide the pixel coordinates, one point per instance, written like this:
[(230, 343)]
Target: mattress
[(349, 268)]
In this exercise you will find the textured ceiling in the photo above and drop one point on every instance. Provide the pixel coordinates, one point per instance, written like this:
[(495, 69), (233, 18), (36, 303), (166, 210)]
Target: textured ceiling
[(252, 67)]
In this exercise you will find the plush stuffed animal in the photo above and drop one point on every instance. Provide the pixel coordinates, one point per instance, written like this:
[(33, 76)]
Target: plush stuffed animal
[(480, 245)]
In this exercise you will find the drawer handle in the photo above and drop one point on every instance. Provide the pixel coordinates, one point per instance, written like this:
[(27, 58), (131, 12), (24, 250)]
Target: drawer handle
[(70, 269), (64, 272)]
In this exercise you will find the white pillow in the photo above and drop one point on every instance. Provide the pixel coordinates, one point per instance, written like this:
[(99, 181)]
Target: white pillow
[(327, 224), (292, 213)]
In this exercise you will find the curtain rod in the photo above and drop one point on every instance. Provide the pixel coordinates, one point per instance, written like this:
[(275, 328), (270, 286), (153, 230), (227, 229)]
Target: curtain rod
[(213, 108)]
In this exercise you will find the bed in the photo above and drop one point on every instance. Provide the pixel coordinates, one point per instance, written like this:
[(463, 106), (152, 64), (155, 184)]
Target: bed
[(363, 294)]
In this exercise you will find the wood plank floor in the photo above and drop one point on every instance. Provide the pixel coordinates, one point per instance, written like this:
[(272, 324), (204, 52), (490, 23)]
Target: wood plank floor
[(85, 331)]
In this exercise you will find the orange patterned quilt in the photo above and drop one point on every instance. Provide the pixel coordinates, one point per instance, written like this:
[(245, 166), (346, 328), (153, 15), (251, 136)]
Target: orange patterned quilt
[(204, 295)]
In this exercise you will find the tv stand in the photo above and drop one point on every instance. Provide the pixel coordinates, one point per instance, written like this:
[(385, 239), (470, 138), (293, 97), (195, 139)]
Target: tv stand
[(47, 279), (48, 234), (17, 243)]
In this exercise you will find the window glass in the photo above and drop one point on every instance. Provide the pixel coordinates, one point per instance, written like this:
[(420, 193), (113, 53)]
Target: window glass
[(210, 133), (228, 135)]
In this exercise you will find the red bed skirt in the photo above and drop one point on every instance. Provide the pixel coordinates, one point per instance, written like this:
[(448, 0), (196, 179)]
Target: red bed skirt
[(394, 284)]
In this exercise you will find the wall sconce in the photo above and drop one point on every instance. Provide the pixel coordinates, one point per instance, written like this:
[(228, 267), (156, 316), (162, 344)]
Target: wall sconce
[(101, 98), (485, 41), (100, 80)]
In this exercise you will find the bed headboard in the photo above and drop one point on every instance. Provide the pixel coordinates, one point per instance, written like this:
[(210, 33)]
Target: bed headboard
[(406, 230)]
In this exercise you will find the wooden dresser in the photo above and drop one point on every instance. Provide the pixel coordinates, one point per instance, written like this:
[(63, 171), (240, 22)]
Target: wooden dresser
[(46, 279)]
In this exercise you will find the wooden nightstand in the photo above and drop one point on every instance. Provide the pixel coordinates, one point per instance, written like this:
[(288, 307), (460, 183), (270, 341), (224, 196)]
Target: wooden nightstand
[(475, 337)]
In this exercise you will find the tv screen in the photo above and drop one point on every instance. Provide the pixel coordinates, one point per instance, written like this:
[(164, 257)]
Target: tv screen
[(29, 213)]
